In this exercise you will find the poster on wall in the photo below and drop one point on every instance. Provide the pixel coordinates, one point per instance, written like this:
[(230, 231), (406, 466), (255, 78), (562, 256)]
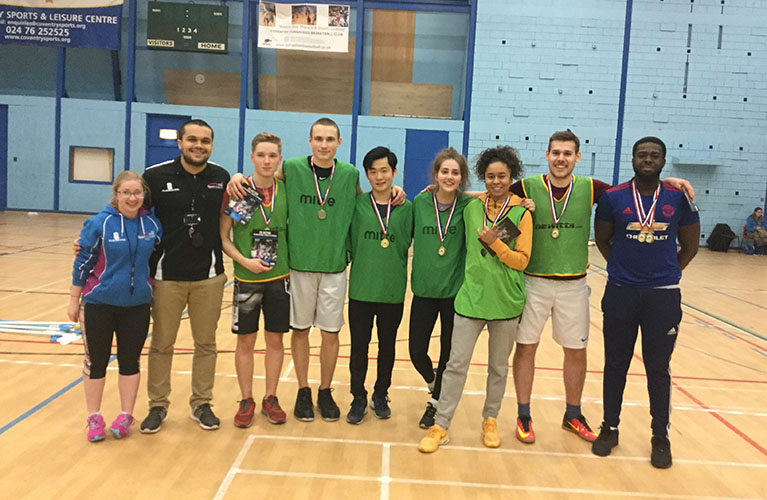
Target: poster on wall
[(61, 23), (303, 26)]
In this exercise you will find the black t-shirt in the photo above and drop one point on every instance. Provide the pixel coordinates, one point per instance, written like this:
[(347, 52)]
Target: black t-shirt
[(177, 196)]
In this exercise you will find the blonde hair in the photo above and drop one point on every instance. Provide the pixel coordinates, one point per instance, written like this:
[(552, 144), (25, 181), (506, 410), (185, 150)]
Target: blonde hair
[(266, 137), (130, 175)]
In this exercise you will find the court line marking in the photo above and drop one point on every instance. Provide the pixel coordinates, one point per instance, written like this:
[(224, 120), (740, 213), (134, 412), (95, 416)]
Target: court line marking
[(490, 486), (33, 289), (72, 384), (385, 478), (602, 272), (724, 421), (286, 374), (507, 451), (42, 404), (234, 469), (745, 437), (729, 410), (472, 370)]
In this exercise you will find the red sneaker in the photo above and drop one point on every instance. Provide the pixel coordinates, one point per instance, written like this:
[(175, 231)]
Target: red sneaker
[(525, 430), (271, 408), (244, 416), (579, 426)]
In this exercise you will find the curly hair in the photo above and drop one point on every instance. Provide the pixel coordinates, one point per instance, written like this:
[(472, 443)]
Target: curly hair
[(504, 154)]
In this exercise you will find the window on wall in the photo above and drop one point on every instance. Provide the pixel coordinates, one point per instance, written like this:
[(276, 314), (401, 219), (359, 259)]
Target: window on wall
[(19, 76), (93, 74), (415, 63), (87, 164), (307, 81)]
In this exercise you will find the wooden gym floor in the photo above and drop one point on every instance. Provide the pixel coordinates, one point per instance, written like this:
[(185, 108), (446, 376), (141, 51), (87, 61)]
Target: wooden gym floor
[(718, 433)]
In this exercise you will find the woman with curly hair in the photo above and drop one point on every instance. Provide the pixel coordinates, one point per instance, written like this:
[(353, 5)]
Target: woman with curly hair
[(498, 243)]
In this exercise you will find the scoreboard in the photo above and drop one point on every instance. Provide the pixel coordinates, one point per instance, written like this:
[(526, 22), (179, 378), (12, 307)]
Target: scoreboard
[(187, 26)]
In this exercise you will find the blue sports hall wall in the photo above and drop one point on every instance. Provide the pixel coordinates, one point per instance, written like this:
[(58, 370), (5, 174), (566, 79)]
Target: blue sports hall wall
[(695, 78)]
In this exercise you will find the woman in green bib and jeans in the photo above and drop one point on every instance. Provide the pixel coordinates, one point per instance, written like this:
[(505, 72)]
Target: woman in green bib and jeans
[(492, 293)]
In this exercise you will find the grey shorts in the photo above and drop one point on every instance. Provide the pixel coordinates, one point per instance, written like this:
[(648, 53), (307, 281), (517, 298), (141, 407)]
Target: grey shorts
[(317, 299)]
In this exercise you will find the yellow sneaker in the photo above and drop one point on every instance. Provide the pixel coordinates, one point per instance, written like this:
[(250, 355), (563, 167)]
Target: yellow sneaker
[(490, 437), (434, 438)]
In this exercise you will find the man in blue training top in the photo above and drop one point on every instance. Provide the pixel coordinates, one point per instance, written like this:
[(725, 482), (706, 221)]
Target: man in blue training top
[(636, 229)]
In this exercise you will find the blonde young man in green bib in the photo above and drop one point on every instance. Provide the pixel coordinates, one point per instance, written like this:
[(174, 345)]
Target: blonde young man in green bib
[(259, 250)]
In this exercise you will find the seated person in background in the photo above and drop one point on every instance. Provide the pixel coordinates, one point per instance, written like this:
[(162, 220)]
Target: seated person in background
[(756, 229)]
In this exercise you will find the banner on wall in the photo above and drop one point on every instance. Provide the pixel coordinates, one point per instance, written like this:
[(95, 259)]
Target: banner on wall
[(303, 26), (61, 23)]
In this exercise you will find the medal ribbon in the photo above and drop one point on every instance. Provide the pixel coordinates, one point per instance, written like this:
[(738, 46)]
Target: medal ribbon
[(551, 200), (274, 201), (497, 215), (321, 199), (384, 227), (646, 220), (443, 234)]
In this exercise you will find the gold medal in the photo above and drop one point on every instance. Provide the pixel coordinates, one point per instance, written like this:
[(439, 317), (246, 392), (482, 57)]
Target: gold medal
[(385, 243), (649, 238), (555, 233), (322, 214), (442, 233), (641, 237)]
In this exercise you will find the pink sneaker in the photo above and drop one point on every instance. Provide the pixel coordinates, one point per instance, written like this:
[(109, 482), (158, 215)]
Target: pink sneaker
[(96, 427), (121, 426)]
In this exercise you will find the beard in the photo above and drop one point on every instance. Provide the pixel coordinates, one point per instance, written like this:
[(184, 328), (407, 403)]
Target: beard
[(195, 163), (647, 177)]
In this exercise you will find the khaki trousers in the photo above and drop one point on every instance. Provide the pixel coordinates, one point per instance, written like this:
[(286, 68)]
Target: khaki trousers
[(203, 299)]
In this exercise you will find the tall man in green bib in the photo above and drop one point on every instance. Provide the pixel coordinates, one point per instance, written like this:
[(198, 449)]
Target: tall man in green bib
[(555, 278), (321, 197)]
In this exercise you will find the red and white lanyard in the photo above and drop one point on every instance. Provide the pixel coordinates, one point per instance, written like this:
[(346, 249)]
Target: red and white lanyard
[(645, 219)]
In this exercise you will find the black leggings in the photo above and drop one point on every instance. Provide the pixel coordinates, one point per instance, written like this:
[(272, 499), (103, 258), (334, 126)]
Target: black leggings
[(388, 318), (130, 326), (423, 316)]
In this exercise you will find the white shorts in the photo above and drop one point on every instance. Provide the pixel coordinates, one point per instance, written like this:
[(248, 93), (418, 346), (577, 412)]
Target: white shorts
[(566, 301), (317, 299)]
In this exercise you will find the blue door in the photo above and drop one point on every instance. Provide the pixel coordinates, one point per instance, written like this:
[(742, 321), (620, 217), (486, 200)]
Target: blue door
[(3, 157), (421, 146), (159, 150)]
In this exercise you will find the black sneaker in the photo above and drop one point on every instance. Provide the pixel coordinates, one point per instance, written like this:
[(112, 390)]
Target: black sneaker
[(428, 416), (380, 405), (661, 452), (605, 442), (304, 409), (328, 408), (204, 416), (153, 421), (358, 410)]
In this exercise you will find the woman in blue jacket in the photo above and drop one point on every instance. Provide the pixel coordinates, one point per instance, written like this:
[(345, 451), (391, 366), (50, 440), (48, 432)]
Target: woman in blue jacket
[(111, 292)]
